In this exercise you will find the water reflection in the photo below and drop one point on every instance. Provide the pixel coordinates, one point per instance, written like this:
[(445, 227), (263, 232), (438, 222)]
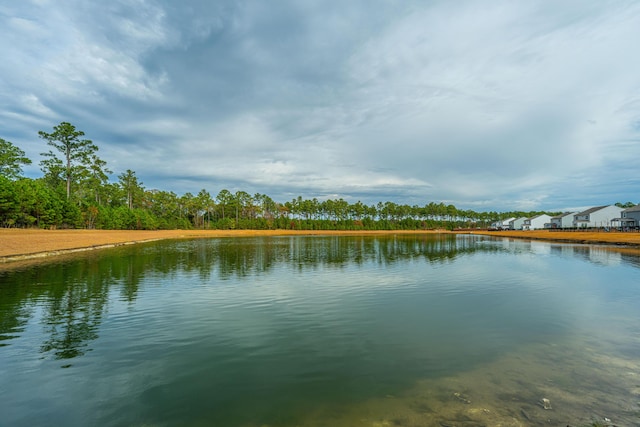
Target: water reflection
[(237, 329), (73, 295), (596, 254)]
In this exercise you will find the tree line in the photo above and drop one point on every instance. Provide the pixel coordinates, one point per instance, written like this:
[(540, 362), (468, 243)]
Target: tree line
[(75, 192)]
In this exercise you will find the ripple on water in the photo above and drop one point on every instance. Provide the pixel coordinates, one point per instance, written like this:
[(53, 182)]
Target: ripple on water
[(370, 334)]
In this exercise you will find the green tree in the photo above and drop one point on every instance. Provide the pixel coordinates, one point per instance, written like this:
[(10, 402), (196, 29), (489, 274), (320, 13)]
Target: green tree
[(242, 201), (188, 206), (224, 198), (97, 177), (38, 205), (11, 160), (131, 187), (77, 154), (165, 206), (625, 205), (205, 206), (8, 202)]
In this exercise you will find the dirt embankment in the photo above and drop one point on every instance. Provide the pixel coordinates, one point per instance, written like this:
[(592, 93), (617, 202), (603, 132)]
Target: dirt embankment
[(631, 239), (20, 244)]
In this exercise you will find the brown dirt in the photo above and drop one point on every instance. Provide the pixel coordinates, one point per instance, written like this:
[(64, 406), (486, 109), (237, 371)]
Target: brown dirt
[(591, 237)]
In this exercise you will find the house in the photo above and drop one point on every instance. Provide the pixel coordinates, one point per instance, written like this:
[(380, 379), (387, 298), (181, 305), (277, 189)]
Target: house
[(564, 220), (502, 225), (599, 216), (516, 224), (537, 222), (630, 217)]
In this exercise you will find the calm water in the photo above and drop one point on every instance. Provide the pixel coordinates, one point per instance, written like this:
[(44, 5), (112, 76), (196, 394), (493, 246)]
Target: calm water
[(323, 331)]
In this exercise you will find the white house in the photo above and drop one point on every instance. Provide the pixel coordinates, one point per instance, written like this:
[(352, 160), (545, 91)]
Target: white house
[(631, 216), (537, 222), (502, 225), (516, 224), (564, 220), (599, 216)]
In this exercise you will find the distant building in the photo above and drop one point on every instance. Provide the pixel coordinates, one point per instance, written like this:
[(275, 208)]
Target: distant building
[(502, 225), (516, 224), (599, 216), (564, 220), (537, 222), (630, 217)]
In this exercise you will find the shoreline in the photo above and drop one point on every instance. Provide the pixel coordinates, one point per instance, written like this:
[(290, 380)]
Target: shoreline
[(613, 238), (28, 244), (34, 244)]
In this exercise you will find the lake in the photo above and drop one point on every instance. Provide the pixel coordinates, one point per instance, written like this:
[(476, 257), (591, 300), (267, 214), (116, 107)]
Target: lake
[(406, 330)]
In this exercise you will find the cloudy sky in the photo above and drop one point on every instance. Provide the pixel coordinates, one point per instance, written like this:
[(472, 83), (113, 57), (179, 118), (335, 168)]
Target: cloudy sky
[(489, 105)]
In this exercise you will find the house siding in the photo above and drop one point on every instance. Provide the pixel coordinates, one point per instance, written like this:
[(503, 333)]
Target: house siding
[(517, 224), (563, 221), (537, 222), (601, 217), (632, 213)]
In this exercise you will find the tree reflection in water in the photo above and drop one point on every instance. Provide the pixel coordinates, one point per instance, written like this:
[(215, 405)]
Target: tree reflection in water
[(73, 295)]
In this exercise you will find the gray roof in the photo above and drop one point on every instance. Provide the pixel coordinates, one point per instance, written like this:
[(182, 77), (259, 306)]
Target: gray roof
[(635, 208), (588, 211), (563, 215), (538, 216)]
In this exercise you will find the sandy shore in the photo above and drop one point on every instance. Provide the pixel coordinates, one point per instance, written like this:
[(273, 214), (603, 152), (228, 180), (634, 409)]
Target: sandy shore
[(631, 239), (20, 244)]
